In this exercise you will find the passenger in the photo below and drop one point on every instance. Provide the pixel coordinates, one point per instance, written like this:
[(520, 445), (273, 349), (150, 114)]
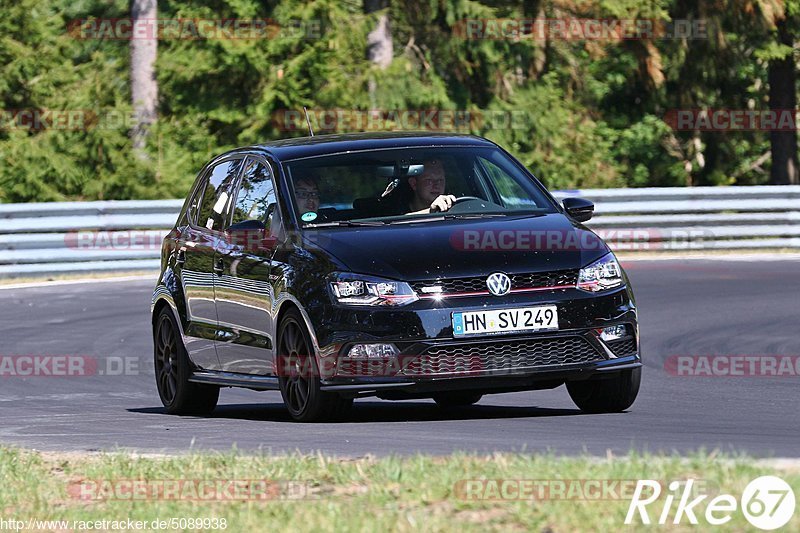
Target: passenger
[(306, 194)]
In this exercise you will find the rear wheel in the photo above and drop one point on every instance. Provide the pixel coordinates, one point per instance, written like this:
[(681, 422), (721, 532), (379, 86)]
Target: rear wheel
[(173, 369), (609, 395), (299, 375), (457, 399)]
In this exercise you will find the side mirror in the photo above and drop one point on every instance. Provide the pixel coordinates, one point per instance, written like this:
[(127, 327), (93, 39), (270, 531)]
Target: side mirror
[(580, 209)]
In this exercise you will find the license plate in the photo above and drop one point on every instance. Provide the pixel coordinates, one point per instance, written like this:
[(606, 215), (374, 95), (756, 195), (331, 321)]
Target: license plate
[(505, 320)]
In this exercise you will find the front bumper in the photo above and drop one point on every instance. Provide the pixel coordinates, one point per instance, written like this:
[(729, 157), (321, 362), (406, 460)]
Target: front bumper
[(432, 359)]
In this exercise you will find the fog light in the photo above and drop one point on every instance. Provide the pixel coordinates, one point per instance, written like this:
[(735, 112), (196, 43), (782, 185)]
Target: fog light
[(613, 333), (372, 351)]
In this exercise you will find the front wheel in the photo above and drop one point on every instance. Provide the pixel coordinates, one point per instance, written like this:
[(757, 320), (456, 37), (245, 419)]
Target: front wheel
[(608, 395), (299, 375), (173, 370)]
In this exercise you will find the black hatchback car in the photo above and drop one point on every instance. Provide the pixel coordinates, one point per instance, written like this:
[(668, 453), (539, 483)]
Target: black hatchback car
[(392, 265)]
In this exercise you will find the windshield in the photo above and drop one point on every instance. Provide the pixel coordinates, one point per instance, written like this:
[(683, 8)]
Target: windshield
[(411, 185)]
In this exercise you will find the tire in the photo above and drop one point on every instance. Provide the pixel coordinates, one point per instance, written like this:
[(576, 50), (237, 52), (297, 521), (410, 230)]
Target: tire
[(457, 399), (173, 369), (299, 375), (610, 395)]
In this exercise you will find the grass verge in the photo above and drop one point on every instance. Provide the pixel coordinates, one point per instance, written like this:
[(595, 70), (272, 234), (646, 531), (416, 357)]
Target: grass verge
[(319, 493)]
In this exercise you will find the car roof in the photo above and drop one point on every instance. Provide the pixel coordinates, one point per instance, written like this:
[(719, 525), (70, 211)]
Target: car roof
[(299, 147)]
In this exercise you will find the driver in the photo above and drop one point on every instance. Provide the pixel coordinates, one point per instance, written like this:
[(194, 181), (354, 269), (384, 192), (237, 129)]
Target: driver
[(428, 190)]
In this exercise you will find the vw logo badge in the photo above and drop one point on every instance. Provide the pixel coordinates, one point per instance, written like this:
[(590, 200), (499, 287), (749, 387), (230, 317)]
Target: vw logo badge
[(499, 284)]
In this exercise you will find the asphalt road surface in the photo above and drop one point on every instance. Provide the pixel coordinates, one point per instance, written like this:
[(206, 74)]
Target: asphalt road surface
[(687, 307)]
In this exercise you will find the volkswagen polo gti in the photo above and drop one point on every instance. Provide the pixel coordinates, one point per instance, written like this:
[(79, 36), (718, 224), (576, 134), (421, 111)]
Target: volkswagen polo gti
[(390, 265)]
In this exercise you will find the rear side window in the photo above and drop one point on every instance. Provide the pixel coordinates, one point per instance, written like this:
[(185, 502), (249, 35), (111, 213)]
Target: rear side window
[(194, 203), (256, 193), (216, 198)]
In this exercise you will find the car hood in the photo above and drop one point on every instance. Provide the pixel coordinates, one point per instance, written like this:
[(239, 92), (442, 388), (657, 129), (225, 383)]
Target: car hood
[(461, 248)]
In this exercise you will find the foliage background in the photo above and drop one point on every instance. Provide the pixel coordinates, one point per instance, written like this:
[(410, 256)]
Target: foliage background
[(594, 110)]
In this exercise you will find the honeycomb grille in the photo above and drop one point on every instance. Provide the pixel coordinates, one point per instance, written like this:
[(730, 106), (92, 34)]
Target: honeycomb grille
[(518, 281), (475, 358), (622, 347)]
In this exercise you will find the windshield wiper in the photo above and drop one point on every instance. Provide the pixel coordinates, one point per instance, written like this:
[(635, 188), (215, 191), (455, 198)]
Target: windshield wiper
[(526, 215), (348, 223), (449, 216), (434, 217)]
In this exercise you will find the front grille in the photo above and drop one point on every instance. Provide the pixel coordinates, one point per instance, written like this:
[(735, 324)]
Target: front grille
[(475, 358), (622, 347), (518, 281)]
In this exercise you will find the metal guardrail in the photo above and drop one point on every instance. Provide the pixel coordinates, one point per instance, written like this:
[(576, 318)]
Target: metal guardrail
[(113, 236)]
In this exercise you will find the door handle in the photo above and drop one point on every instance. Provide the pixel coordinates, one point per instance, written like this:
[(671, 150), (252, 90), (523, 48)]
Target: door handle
[(219, 267), (180, 257)]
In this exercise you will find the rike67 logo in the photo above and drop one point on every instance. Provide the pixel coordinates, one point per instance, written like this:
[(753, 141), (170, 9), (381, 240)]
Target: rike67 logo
[(767, 502)]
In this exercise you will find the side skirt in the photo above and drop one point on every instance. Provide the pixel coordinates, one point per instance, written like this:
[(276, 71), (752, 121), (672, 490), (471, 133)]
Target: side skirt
[(230, 379)]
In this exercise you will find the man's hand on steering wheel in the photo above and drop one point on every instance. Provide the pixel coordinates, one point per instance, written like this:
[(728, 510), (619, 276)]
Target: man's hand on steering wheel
[(443, 203)]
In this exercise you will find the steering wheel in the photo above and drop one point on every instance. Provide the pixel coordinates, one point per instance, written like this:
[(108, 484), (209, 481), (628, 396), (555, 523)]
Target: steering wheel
[(467, 204), (462, 199), (459, 200)]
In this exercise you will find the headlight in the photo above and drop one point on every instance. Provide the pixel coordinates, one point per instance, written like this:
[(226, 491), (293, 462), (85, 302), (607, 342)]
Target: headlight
[(356, 289), (603, 274)]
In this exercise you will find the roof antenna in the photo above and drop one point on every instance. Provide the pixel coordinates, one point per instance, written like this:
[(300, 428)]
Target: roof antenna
[(310, 131)]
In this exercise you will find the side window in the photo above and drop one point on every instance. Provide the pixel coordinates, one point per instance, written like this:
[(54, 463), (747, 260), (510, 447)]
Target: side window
[(511, 192), (256, 193), (216, 197)]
